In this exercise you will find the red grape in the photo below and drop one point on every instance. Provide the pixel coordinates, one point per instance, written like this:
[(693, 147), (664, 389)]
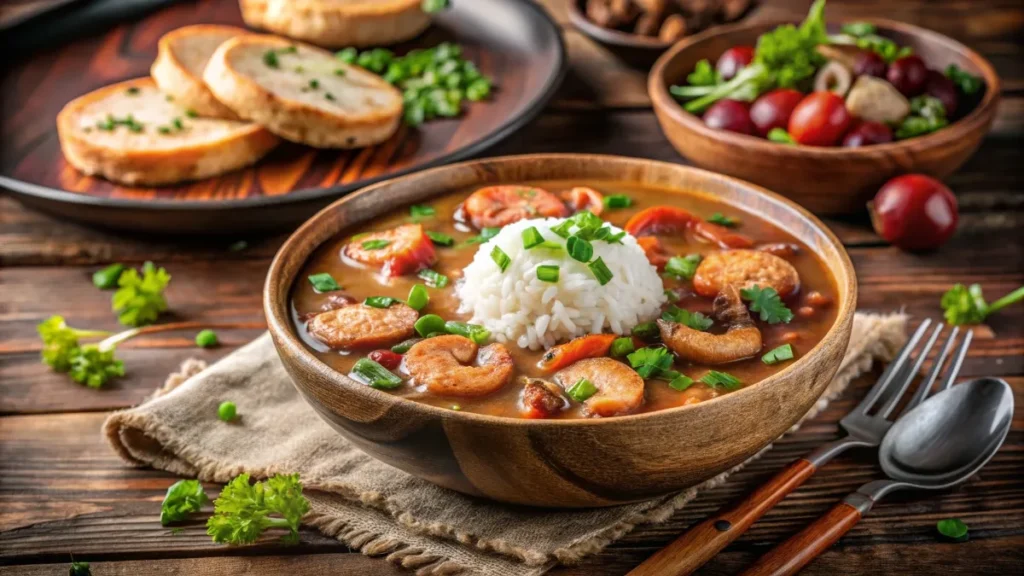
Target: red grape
[(731, 115), (773, 109), (938, 86), (820, 119), (733, 60), (908, 75), (867, 133), (914, 212), (868, 63)]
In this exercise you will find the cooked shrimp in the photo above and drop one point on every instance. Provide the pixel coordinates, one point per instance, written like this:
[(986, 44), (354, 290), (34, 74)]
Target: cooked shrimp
[(620, 390), (399, 251), (672, 220), (780, 249), (581, 198), (589, 346), (497, 206), (655, 252), (741, 339), (722, 236), (743, 269), (454, 366), (542, 399), (362, 326)]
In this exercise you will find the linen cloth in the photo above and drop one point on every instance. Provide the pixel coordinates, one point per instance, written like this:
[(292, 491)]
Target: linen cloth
[(371, 506)]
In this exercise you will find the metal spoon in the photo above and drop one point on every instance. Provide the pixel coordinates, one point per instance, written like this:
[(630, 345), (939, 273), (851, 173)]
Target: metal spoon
[(939, 444)]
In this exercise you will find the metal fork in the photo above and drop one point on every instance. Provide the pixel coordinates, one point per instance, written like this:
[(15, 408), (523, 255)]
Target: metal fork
[(864, 426)]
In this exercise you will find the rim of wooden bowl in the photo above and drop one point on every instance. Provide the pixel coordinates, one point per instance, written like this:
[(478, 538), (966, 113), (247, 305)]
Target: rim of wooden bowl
[(609, 35), (276, 293), (664, 102)]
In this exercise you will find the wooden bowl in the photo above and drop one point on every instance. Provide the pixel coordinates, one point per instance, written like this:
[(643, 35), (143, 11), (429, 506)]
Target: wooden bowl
[(633, 49), (824, 180), (560, 463)]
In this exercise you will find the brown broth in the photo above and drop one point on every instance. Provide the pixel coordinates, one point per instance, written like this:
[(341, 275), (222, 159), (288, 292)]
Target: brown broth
[(361, 283)]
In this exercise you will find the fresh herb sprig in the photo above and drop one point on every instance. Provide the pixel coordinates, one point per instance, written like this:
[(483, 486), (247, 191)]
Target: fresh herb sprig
[(967, 305), (767, 302), (184, 497), (140, 299), (243, 511)]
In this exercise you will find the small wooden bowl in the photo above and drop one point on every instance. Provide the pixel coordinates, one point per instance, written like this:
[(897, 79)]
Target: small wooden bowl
[(824, 180), (633, 49), (560, 463)]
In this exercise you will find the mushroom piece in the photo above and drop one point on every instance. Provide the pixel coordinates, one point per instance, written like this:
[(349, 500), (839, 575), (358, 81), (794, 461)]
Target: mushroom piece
[(833, 77), (876, 100)]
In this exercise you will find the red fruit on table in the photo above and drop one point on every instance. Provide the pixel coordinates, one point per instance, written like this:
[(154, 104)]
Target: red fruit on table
[(773, 109), (820, 119), (909, 75), (733, 60), (731, 115), (938, 86), (868, 63), (866, 134), (914, 212)]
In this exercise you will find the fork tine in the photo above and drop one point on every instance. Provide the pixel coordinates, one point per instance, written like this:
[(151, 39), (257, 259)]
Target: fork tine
[(892, 371), (956, 363), (908, 377), (922, 391)]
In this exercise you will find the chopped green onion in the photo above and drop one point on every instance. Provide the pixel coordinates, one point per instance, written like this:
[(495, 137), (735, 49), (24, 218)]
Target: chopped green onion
[(440, 238), (622, 346), (206, 338), (715, 379), (478, 334), (429, 324), (547, 273), (681, 382), (107, 278), (606, 235), (579, 249), (683, 266), (723, 220), (403, 347), (421, 211), (549, 245), (191, 113), (647, 331), (485, 235), (694, 320), (433, 6), (617, 201), (227, 411), (380, 301), (418, 297), (432, 278), (375, 375), (323, 282), (601, 271), (532, 237), (563, 229), (952, 528), (500, 258), (776, 355), (581, 390), (375, 244)]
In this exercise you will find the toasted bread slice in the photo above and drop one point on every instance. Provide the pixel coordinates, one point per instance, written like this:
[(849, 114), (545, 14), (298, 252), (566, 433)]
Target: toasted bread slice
[(131, 133), (339, 23), (181, 57), (302, 93)]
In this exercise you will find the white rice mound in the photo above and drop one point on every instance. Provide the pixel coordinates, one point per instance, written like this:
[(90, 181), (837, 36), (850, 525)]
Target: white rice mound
[(518, 307)]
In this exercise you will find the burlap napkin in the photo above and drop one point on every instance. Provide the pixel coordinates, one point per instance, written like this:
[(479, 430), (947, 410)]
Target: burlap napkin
[(369, 505)]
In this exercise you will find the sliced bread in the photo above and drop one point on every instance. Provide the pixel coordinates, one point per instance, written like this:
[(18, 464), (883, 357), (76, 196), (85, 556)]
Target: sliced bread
[(133, 133), (181, 57), (339, 23), (303, 93)]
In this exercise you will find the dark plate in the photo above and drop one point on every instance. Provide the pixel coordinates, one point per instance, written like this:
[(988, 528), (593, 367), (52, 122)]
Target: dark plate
[(514, 42)]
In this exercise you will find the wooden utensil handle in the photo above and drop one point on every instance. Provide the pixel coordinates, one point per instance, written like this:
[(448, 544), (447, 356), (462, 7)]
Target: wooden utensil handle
[(702, 541), (795, 553)]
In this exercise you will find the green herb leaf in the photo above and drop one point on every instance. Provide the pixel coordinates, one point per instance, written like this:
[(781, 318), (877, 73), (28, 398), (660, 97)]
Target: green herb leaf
[(723, 220), (324, 282), (184, 497), (858, 29), (581, 390), (966, 82), (485, 235), (243, 511), (768, 303), (776, 355), (227, 411), (107, 278), (61, 342), (579, 249), (615, 201), (963, 305), (650, 362), (432, 278), (694, 320), (139, 300), (548, 273), (132, 91), (563, 229), (717, 379), (270, 59), (952, 528), (621, 347), (647, 331), (79, 569), (781, 136), (433, 6), (680, 383), (683, 267), (421, 211), (703, 74), (206, 338), (93, 366), (376, 244), (440, 238), (380, 301), (600, 271), (500, 258)]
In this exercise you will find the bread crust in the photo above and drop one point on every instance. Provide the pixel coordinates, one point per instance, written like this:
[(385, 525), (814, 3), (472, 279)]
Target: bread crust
[(339, 24), (171, 162), (314, 124), (174, 77)]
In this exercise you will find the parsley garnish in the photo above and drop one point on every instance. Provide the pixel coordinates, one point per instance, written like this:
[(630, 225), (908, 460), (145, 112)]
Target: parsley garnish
[(768, 303), (683, 267), (243, 511), (717, 379), (966, 305), (650, 362), (140, 298), (184, 497), (694, 320)]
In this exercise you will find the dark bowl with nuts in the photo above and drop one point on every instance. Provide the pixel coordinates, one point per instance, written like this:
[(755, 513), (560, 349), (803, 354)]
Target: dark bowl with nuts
[(638, 31)]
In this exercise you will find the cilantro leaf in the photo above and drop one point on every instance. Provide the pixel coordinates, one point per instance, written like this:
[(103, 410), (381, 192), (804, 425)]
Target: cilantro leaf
[(683, 267), (694, 320), (183, 498), (60, 342), (768, 303), (963, 305), (140, 298), (650, 362), (243, 511), (703, 74), (95, 366)]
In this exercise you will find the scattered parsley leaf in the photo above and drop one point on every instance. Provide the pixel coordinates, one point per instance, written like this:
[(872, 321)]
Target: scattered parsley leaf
[(694, 320), (61, 342), (717, 379), (184, 497), (966, 82), (651, 361), (95, 366), (768, 303), (967, 305), (243, 511), (140, 298)]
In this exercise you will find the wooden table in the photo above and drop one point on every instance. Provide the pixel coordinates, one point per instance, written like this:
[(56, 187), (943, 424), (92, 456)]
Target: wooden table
[(63, 491)]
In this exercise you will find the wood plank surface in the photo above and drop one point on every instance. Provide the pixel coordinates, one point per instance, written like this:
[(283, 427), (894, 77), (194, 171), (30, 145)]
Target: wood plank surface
[(62, 490)]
